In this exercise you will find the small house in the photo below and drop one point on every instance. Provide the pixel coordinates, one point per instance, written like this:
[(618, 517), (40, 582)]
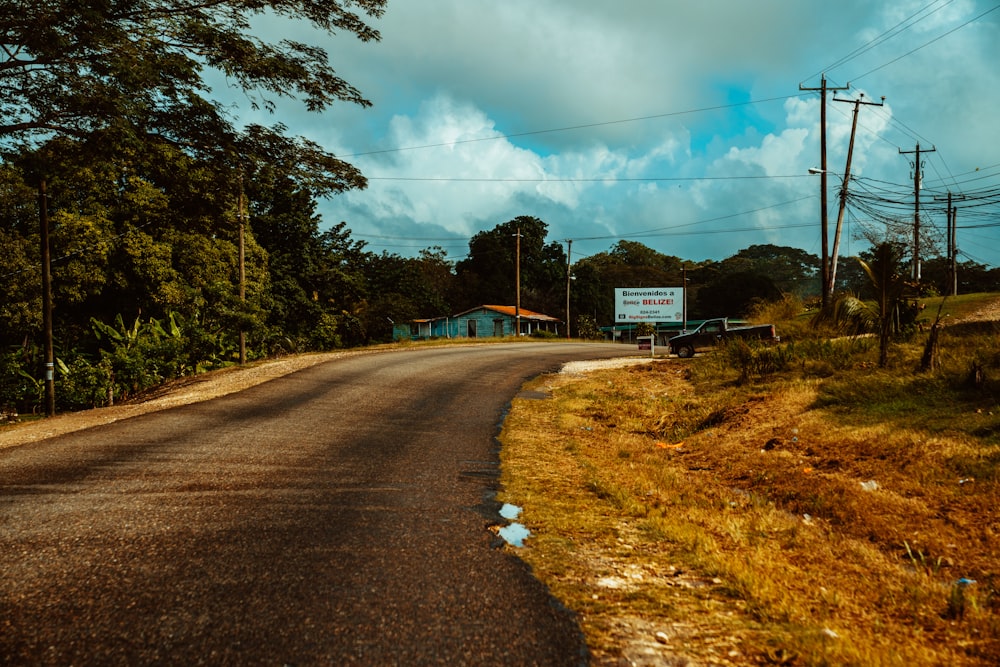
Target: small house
[(500, 321), (478, 322)]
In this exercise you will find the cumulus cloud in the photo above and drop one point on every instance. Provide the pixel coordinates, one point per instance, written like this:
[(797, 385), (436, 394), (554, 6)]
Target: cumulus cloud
[(639, 120)]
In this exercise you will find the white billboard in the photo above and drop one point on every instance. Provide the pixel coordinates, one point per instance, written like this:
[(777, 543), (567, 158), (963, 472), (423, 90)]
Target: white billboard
[(649, 304)]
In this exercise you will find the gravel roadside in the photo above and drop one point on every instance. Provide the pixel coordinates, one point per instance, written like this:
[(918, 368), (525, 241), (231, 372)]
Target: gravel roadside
[(179, 392)]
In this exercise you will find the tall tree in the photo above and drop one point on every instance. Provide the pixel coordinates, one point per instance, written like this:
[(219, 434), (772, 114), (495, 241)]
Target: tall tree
[(489, 274), (627, 264), (734, 294), (792, 270), (406, 288)]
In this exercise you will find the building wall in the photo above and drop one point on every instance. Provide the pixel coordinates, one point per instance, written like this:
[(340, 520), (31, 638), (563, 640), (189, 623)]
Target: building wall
[(485, 324)]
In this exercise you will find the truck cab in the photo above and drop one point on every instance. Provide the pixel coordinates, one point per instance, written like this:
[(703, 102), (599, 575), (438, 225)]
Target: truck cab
[(707, 334), (711, 332)]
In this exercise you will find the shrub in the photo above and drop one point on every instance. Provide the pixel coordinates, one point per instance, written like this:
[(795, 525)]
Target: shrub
[(788, 308), (755, 360), (81, 384), (546, 335), (587, 329), (18, 389)]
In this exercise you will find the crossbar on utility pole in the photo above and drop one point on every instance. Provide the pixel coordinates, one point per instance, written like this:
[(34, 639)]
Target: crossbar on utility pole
[(824, 220)]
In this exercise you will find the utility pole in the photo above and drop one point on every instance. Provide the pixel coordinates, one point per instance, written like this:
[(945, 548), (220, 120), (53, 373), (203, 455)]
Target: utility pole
[(517, 285), (243, 273), (832, 274), (917, 178), (684, 299), (50, 367), (824, 221), (952, 250), (569, 264), (953, 238), (952, 258)]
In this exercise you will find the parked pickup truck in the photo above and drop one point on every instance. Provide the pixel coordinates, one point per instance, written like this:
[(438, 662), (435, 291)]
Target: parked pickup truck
[(710, 332)]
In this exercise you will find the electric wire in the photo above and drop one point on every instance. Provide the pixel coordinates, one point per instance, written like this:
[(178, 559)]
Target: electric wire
[(573, 127), (927, 43), (883, 37)]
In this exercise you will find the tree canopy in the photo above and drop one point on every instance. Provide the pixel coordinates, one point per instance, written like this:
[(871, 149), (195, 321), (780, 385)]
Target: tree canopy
[(489, 274), (138, 67)]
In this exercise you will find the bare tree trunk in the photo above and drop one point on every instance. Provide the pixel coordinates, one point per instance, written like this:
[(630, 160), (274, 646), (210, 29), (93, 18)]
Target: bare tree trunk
[(932, 353), (931, 358)]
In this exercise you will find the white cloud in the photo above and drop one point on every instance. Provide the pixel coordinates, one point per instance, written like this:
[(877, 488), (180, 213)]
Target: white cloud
[(453, 72)]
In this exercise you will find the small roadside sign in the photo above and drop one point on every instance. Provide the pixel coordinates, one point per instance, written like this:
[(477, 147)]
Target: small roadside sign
[(646, 343)]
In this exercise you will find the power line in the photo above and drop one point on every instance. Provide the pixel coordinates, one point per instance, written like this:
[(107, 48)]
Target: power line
[(927, 43), (671, 230), (595, 179), (572, 127), (885, 36), (907, 23)]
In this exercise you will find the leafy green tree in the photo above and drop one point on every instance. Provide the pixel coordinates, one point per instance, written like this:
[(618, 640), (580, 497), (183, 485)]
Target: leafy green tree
[(108, 103), (735, 294), (406, 288), (136, 67), (793, 271), (20, 309), (627, 264), (437, 273), (489, 274), (587, 329), (972, 276), (637, 255), (341, 287)]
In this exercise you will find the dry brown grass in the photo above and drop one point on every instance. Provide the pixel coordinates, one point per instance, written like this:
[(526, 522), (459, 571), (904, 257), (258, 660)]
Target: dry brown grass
[(684, 517)]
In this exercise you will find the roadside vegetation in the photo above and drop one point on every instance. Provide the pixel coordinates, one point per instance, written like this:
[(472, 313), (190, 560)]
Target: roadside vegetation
[(798, 504)]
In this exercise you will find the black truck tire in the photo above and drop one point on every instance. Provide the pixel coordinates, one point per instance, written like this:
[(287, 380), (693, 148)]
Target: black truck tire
[(685, 352)]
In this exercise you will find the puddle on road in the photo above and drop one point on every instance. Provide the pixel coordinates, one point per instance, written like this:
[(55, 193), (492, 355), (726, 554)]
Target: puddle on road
[(513, 533)]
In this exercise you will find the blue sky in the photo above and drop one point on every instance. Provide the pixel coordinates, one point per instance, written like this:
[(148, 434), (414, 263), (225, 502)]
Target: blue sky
[(680, 125)]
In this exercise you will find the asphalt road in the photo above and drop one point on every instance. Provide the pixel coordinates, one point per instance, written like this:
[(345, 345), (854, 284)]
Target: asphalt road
[(335, 516)]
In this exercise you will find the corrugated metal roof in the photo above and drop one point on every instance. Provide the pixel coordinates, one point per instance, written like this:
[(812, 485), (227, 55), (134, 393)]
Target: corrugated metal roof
[(511, 311)]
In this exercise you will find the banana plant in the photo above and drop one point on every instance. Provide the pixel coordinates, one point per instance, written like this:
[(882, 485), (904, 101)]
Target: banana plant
[(884, 274)]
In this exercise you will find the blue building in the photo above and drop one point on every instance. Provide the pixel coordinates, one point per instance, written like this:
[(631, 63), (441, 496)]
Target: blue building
[(479, 322)]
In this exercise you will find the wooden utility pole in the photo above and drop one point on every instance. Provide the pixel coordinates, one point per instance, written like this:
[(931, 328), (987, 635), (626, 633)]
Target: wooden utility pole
[(824, 220), (569, 264), (917, 178), (243, 272), (952, 242), (684, 299), (832, 273), (517, 285), (50, 368), (952, 248)]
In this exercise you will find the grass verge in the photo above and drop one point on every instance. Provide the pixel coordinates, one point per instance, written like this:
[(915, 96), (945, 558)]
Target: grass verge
[(824, 513)]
